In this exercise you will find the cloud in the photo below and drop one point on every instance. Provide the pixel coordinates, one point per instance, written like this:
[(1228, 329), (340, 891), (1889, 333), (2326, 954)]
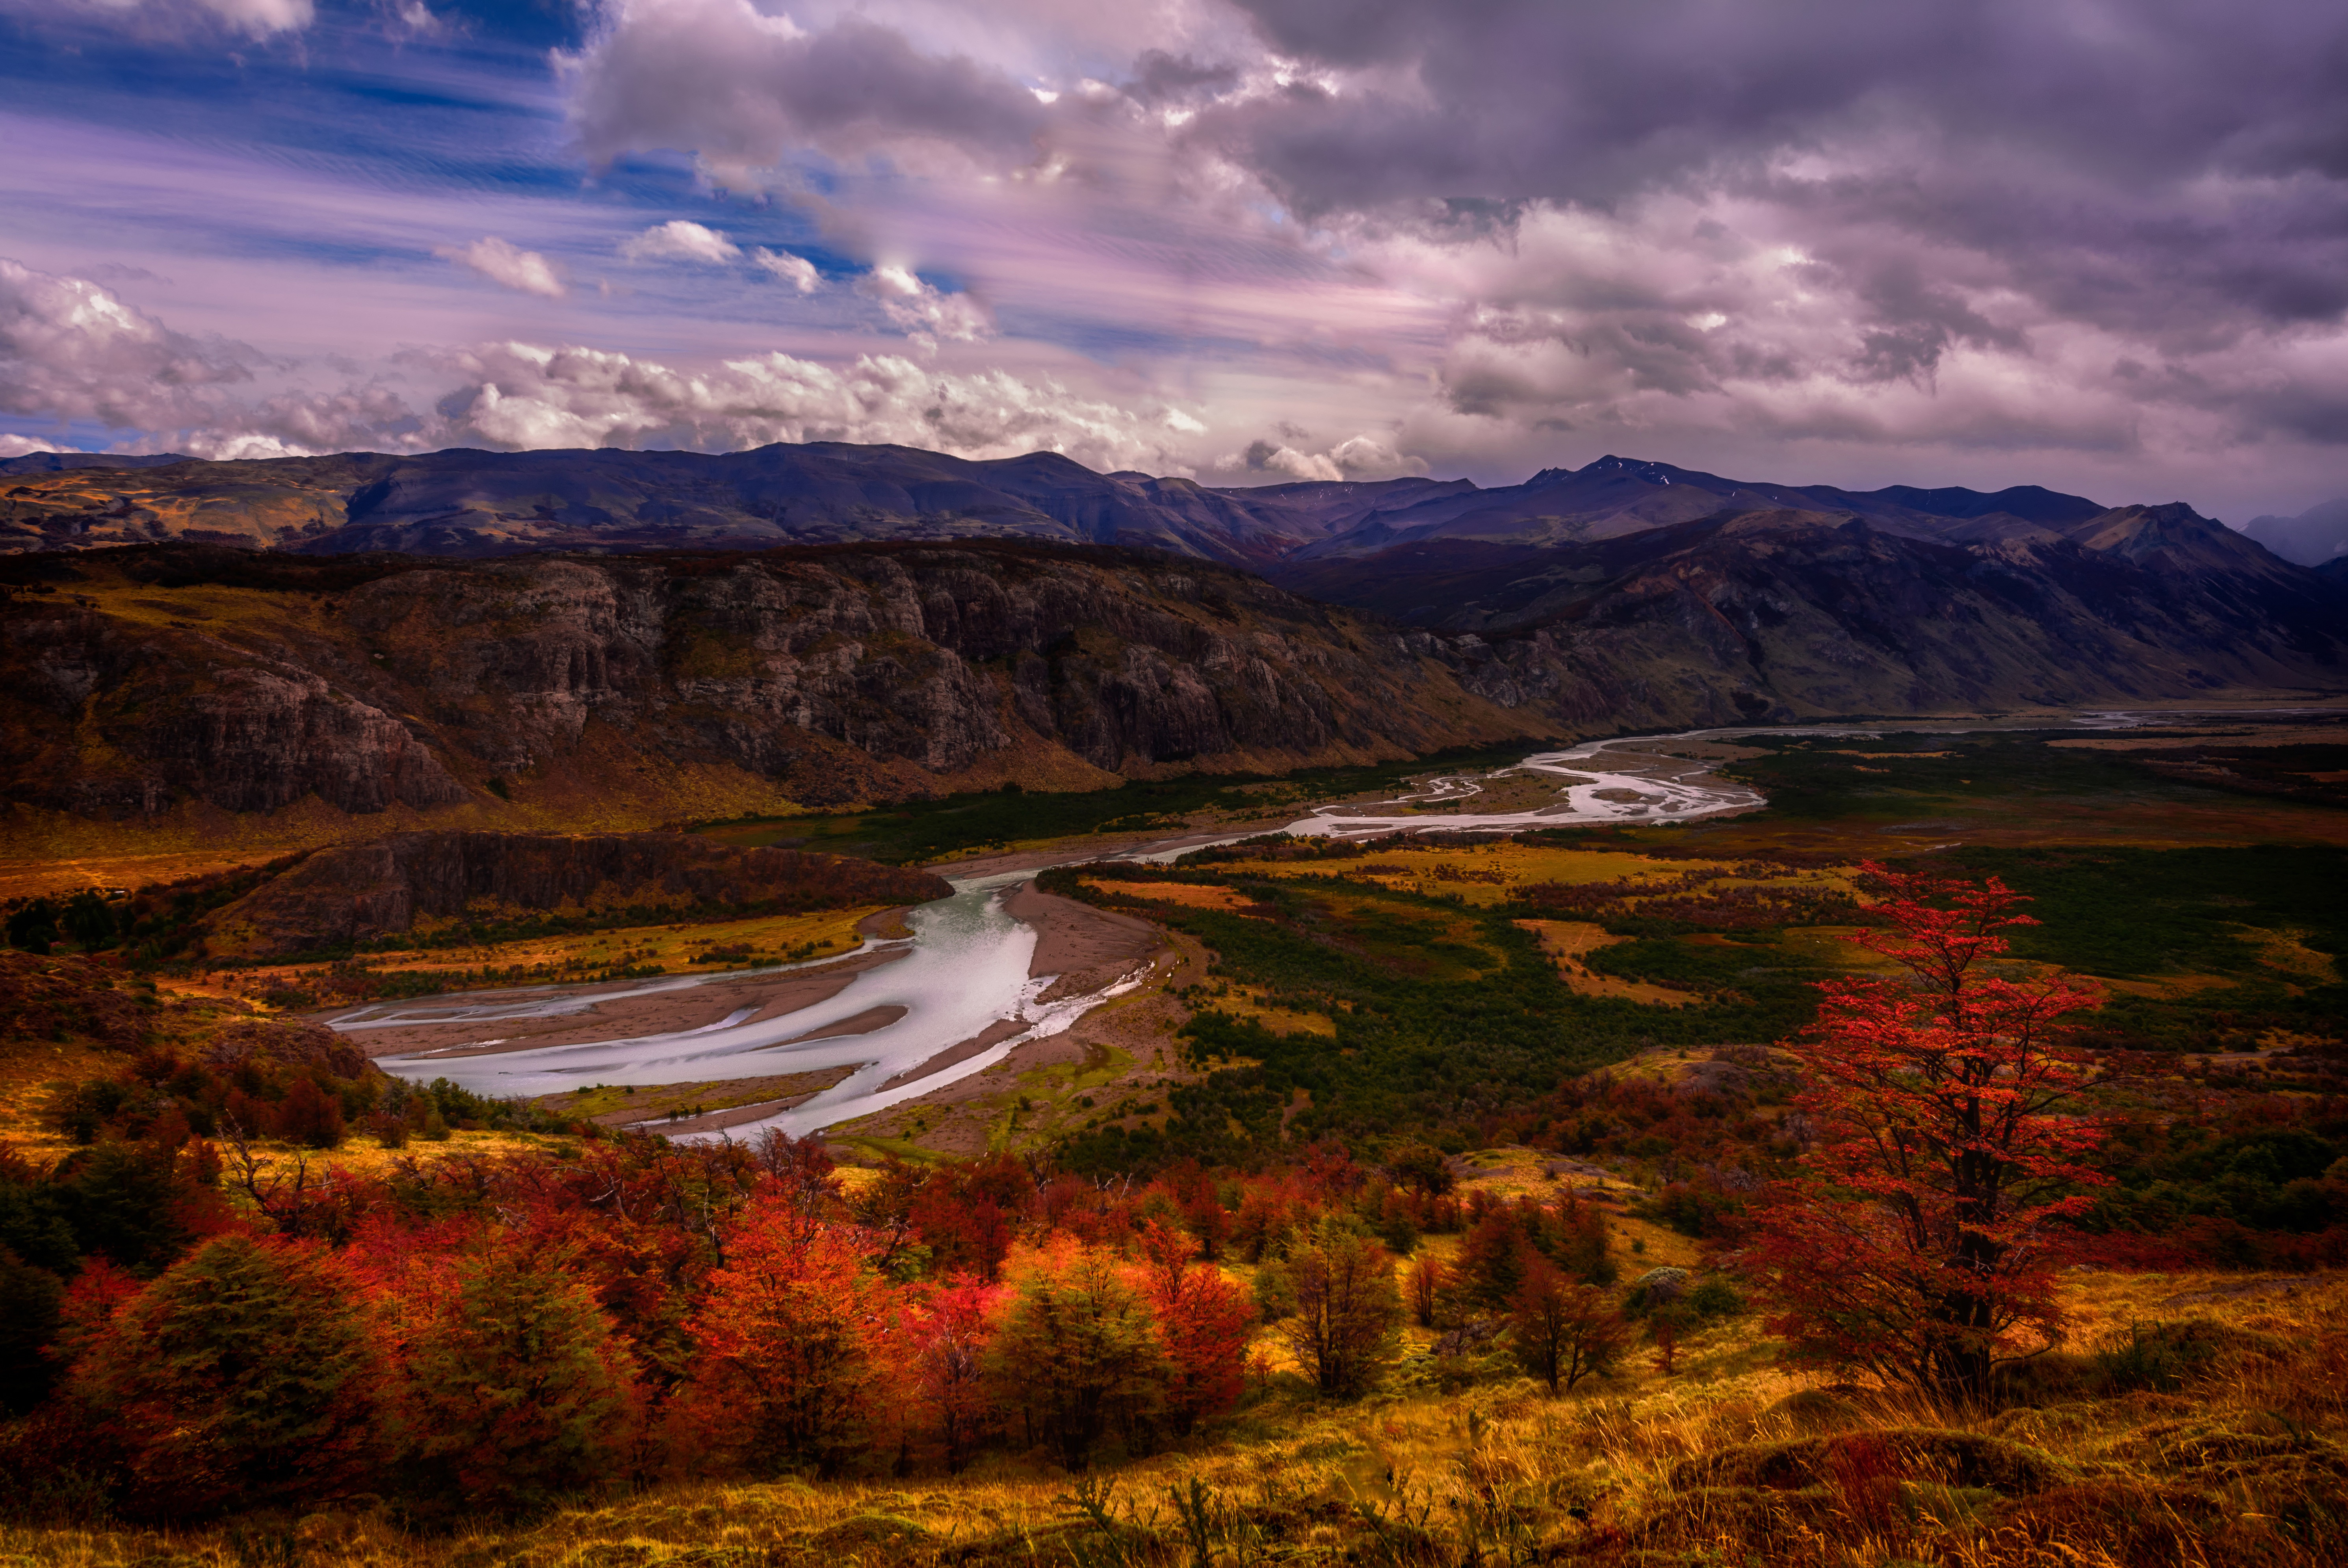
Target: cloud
[(796, 271), (71, 349), (518, 395), (23, 445), (253, 18), (745, 91), (924, 310), (1362, 458), (504, 263), (680, 240)]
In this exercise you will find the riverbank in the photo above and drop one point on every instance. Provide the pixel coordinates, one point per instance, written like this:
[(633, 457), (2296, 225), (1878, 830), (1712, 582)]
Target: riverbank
[(615, 1010)]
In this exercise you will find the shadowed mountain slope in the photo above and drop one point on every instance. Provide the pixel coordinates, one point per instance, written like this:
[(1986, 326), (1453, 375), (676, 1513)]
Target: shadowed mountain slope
[(1800, 612), (473, 503), (2316, 535), (183, 683)]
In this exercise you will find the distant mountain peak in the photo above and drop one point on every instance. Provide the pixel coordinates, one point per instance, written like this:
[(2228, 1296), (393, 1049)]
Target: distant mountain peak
[(2316, 536)]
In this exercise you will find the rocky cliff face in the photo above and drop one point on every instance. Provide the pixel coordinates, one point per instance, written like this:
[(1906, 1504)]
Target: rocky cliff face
[(361, 892), (139, 681), (1799, 615)]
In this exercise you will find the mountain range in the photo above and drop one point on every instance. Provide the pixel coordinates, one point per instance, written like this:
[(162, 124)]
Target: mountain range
[(2318, 535), (612, 637), (462, 502)]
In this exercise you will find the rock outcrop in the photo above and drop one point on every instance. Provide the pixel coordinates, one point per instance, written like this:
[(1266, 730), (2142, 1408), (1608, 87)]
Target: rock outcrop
[(1793, 615), (139, 681), (361, 892)]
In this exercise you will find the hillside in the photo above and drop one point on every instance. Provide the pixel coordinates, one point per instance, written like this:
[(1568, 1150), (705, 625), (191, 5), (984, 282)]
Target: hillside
[(362, 892), (473, 503), (182, 688), (1804, 614)]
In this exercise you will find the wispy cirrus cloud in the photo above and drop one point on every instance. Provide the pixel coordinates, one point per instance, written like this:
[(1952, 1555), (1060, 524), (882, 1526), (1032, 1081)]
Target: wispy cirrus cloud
[(166, 19)]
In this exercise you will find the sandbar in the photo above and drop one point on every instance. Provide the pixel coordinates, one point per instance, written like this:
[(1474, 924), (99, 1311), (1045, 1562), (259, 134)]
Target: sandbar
[(863, 1023), (1089, 949), (624, 1013), (986, 1039)]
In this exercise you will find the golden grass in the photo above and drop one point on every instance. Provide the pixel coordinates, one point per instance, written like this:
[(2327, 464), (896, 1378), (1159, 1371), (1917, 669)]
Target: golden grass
[(1486, 874), (1733, 1458), (1568, 942), (677, 948), (1245, 1003), (1183, 894)]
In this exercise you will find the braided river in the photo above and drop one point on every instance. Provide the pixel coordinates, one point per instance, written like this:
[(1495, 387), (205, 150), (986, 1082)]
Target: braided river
[(960, 986)]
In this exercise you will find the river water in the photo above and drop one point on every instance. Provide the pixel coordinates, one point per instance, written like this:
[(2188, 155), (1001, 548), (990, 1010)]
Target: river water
[(965, 964)]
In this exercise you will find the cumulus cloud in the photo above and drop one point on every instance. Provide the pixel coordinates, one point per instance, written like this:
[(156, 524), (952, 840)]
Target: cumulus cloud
[(12, 446), (519, 394), (510, 266), (796, 271), (744, 91), (71, 349), (924, 311), (1361, 458), (680, 240)]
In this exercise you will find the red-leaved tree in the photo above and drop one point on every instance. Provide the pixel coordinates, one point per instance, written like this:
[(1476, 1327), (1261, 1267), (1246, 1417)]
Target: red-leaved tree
[(1203, 1320), (792, 1332), (1920, 1238), (949, 1327)]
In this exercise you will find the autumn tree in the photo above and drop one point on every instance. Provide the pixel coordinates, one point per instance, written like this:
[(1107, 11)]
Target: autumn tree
[(1562, 1332), (949, 1329), (1344, 1313), (30, 1307), (791, 1332), (1200, 1199), (514, 1390), (1919, 1236), (1428, 1279), (960, 1214), (1078, 1352), (246, 1376), (1203, 1320)]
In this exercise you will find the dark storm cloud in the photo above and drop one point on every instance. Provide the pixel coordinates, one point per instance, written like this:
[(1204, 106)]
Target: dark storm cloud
[(745, 91), (1160, 78), (2133, 164)]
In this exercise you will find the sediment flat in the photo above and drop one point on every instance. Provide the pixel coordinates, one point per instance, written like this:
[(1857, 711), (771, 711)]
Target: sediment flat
[(622, 1013), (863, 1023), (986, 1039), (1087, 948)]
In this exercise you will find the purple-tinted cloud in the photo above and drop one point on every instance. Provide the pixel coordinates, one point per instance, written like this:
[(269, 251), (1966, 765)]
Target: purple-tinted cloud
[(2095, 246)]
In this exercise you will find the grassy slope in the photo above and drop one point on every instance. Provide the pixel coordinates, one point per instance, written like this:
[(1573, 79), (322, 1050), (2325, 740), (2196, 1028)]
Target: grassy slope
[(2243, 1463), (1732, 1459)]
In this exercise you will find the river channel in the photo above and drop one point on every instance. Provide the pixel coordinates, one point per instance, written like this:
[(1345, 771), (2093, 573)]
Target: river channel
[(965, 968)]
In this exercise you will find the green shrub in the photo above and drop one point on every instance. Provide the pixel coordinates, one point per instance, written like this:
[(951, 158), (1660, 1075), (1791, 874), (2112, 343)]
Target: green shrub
[(243, 1376), (2153, 1356)]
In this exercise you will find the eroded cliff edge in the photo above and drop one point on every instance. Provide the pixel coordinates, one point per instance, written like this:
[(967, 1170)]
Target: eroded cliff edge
[(197, 684)]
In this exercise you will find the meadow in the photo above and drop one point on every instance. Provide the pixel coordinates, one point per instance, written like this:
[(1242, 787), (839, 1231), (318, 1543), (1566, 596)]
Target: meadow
[(1476, 1065)]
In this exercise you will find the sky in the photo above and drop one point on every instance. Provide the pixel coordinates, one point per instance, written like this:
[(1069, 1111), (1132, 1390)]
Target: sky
[(2094, 245)]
